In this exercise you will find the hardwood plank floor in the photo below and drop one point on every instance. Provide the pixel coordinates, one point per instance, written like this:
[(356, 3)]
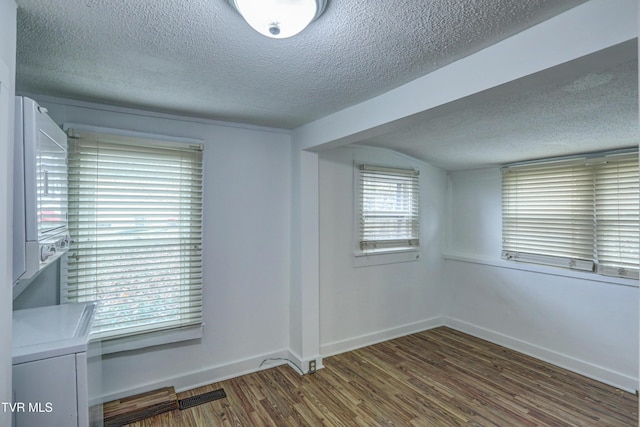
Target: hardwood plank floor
[(440, 377)]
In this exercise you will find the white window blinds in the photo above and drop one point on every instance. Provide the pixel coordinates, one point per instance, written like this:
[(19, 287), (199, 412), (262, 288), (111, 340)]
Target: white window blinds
[(579, 214), (389, 201), (135, 216), (617, 213)]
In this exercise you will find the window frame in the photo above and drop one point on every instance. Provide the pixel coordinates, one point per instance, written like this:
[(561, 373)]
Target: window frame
[(581, 199), (155, 336), (395, 252)]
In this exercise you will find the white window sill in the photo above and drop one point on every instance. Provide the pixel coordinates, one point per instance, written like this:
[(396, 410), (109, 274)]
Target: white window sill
[(137, 342), (361, 259), (535, 268)]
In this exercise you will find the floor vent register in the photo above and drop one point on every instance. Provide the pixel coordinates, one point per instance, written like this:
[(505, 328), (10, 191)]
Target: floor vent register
[(190, 402)]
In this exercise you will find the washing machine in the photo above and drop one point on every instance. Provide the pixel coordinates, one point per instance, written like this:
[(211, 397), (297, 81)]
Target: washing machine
[(56, 367)]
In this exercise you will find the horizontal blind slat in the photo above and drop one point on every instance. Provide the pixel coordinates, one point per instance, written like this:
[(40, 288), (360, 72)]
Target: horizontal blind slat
[(573, 209), (136, 218), (617, 211), (389, 208)]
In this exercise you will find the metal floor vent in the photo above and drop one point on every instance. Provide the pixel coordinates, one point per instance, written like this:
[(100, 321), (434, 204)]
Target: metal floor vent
[(192, 401)]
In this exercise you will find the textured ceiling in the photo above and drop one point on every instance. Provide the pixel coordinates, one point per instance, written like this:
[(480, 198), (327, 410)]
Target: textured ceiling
[(199, 58), (586, 105)]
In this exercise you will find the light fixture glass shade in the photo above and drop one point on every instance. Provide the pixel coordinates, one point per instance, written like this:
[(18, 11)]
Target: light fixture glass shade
[(279, 18)]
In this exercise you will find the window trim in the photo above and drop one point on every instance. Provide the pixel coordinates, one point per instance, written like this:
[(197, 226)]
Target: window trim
[(158, 336), (386, 255), (540, 269), (152, 339), (589, 172)]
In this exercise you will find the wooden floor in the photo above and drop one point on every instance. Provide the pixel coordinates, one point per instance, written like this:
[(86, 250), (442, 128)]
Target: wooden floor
[(439, 377)]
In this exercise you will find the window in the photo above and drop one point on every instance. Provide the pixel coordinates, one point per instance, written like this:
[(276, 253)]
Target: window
[(389, 218), (135, 217), (580, 214)]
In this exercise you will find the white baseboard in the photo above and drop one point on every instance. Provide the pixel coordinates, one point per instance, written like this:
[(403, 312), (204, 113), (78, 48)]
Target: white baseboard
[(221, 373), (598, 373), (350, 344), (304, 363), (209, 375)]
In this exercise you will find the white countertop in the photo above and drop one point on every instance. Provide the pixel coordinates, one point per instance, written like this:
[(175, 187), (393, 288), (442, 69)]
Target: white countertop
[(45, 332)]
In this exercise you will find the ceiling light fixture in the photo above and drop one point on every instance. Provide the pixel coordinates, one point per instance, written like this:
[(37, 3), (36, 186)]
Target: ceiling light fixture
[(279, 18)]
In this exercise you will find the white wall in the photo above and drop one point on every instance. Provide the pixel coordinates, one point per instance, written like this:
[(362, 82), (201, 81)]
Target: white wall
[(246, 251), (39, 291), (584, 322), (304, 293), (7, 90), (363, 305)]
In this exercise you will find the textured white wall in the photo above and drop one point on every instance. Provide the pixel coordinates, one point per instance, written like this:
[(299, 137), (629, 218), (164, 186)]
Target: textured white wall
[(584, 322), (7, 85), (246, 251), (362, 305)]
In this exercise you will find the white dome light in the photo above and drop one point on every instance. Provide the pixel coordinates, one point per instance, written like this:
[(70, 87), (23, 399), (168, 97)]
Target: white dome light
[(279, 18)]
